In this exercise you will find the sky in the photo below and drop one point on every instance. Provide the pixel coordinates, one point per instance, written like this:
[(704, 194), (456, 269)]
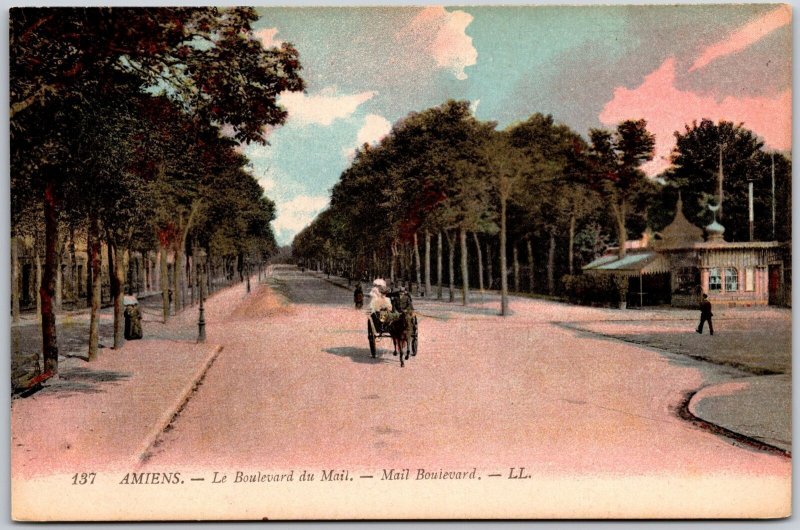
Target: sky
[(587, 66)]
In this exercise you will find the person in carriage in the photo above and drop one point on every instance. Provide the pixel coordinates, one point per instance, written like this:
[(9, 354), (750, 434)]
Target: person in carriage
[(392, 313), (378, 299)]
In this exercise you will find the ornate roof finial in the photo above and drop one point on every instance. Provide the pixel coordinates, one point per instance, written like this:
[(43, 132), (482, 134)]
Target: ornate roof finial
[(715, 230)]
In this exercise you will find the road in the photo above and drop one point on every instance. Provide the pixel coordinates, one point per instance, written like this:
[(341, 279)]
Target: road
[(296, 387)]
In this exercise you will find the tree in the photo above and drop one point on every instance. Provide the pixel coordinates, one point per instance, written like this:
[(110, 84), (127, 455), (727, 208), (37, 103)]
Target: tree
[(616, 159), (421, 178), (553, 195), (206, 60), (696, 171), (507, 167)]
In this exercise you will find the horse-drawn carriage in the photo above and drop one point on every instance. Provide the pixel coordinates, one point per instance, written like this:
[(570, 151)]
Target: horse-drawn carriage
[(399, 323)]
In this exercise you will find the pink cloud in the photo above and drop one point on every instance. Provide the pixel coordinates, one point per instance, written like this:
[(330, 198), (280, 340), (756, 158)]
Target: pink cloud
[(374, 129), (267, 37), (745, 36), (324, 107), (442, 35), (667, 109)]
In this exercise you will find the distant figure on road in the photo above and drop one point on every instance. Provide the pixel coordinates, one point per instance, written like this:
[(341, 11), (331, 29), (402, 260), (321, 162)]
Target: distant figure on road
[(705, 316), (358, 296)]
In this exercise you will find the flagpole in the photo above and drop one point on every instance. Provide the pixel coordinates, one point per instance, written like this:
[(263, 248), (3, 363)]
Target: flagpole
[(773, 196)]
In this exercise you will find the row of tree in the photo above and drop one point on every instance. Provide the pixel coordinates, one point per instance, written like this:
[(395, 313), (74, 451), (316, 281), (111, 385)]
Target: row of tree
[(444, 178), (125, 129)]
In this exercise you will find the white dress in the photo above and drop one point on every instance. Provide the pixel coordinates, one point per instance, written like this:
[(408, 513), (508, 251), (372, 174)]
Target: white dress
[(378, 301)]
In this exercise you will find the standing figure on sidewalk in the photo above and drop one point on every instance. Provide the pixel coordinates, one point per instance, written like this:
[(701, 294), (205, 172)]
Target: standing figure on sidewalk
[(705, 315)]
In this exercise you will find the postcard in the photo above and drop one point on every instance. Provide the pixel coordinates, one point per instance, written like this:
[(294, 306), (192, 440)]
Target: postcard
[(401, 262)]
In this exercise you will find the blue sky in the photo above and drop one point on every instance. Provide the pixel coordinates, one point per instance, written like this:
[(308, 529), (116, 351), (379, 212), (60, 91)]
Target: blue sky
[(587, 66)]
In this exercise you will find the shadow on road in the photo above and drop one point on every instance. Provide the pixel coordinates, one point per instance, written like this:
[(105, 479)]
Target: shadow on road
[(361, 355), (83, 381)]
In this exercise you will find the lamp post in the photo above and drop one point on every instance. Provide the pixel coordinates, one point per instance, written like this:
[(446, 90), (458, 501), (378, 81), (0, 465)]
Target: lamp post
[(201, 318)]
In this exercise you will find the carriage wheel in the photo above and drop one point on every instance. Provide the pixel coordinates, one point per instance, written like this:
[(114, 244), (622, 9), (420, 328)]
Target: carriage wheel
[(371, 337), (414, 336)]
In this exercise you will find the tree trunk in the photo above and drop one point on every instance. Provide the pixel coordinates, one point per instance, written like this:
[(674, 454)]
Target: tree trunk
[(439, 265), (116, 272), (15, 286), (480, 261), (164, 283), (197, 275), (145, 272), (89, 271), (403, 257), (38, 259), (131, 275), (451, 249), (177, 287), (111, 275), (503, 265), (72, 292), (393, 263), (489, 267), (417, 264), (96, 267), (462, 236), (184, 277), (59, 292), (47, 290), (427, 263), (622, 234), (531, 270), (551, 262), (191, 276), (208, 272), (571, 250), (247, 275), (515, 252)]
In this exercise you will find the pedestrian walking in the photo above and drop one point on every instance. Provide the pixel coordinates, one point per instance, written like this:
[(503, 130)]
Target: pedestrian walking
[(705, 316)]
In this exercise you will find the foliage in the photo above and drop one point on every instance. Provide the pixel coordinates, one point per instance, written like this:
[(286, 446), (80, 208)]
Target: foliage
[(599, 290), (116, 117), (695, 172), (615, 159)]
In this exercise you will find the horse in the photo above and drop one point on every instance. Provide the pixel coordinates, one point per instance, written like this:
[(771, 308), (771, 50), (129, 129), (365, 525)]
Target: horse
[(398, 330)]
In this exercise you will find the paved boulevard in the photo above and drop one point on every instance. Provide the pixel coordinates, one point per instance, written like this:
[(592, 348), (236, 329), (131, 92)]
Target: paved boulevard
[(298, 388)]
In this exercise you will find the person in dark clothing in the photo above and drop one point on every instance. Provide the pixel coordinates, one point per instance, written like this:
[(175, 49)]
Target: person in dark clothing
[(358, 296), (705, 316), (402, 303)]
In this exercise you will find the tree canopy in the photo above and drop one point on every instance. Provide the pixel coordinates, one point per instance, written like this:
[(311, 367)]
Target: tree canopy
[(119, 113), (695, 171)]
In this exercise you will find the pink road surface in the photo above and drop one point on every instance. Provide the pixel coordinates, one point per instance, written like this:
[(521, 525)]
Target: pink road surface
[(295, 387)]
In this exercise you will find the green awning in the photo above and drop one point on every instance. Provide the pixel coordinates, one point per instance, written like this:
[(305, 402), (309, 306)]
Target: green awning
[(633, 264)]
